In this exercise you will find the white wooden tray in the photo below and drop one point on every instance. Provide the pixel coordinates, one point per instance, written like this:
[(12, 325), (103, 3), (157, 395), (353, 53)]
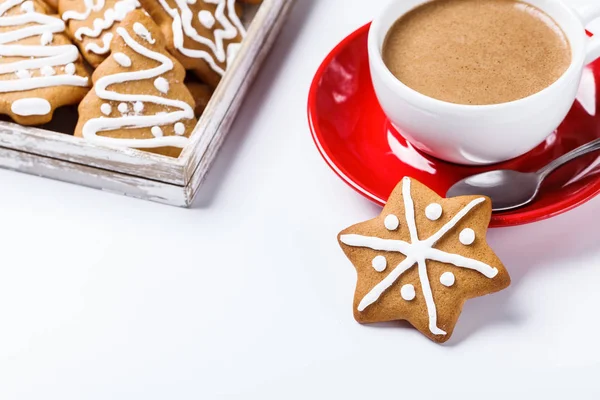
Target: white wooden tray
[(140, 174)]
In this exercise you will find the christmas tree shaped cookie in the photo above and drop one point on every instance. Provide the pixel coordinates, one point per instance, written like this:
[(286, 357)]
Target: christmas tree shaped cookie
[(139, 99), (92, 24), (422, 258), (40, 69), (204, 35)]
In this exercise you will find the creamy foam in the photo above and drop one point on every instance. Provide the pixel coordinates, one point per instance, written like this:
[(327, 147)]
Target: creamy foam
[(477, 51)]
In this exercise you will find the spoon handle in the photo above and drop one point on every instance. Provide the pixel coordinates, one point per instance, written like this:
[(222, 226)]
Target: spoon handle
[(560, 161)]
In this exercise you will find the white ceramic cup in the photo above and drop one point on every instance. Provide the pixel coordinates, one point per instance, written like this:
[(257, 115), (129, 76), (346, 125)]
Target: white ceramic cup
[(482, 134)]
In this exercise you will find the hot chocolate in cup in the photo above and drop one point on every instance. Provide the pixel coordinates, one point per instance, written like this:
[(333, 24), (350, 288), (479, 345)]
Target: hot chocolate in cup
[(482, 133)]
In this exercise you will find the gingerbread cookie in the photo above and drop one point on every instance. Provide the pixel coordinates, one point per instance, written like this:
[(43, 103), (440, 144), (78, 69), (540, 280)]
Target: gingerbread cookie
[(40, 70), (422, 258), (92, 24), (139, 99), (53, 4), (204, 35), (49, 6)]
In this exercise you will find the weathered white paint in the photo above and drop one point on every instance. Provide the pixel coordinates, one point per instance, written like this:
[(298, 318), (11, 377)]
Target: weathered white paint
[(93, 177)]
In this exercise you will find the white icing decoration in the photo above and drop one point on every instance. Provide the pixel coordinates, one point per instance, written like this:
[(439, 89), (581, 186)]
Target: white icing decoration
[(232, 15), (232, 51), (467, 236), (182, 25), (161, 84), (47, 70), (391, 222), (116, 14), (122, 59), (206, 19), (138, 107), (70, 68), (30, 106), (417, 252), (142, 32), (179, 128), (29, 25), (27, 7), (433, 211), (46, 38), (94, 48), (123, 108), (408, 292), (156, 131), (447, 279), (183, 110), (80, 16), (23, 74), (106, 108), (379, 263)]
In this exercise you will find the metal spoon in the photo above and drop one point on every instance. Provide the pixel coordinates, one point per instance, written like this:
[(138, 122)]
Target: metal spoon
[(511, 189)]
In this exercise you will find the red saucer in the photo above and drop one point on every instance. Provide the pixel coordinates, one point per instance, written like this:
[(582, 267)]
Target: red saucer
[(356, 140)]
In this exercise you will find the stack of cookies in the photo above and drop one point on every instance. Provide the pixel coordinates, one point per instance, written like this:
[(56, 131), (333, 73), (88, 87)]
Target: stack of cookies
[(123, 61)]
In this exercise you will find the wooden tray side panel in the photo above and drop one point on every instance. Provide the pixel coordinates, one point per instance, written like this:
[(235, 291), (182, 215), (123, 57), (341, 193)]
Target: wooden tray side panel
[(92, 177), (64, 147)]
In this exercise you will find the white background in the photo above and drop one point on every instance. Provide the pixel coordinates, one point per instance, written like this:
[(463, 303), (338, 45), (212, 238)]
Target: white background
[(249, 296)]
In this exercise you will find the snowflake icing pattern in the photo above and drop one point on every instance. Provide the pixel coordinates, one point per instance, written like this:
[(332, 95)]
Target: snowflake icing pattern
[(418, 252)]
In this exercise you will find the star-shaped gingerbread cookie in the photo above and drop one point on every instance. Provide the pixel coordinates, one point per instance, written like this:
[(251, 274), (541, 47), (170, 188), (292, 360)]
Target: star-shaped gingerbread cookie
[(422, 258)]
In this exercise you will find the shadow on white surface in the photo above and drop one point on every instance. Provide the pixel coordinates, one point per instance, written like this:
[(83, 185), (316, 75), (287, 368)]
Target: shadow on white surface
[(256, 99), (403, 328), (549, 244)]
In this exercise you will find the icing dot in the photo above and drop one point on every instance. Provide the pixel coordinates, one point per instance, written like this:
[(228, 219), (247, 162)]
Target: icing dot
[(46, 38), (138, 106), (433, 211), (467, 236), (206, 19), (122, 59), (408, 292), (391, 222), (447, 279), (27, 7), (106, 108), (70, 68), (142, 32), (179, 128), (23, 74), (379, 263), (161, 84), (123, 108), (156, 131), (47, 70)]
